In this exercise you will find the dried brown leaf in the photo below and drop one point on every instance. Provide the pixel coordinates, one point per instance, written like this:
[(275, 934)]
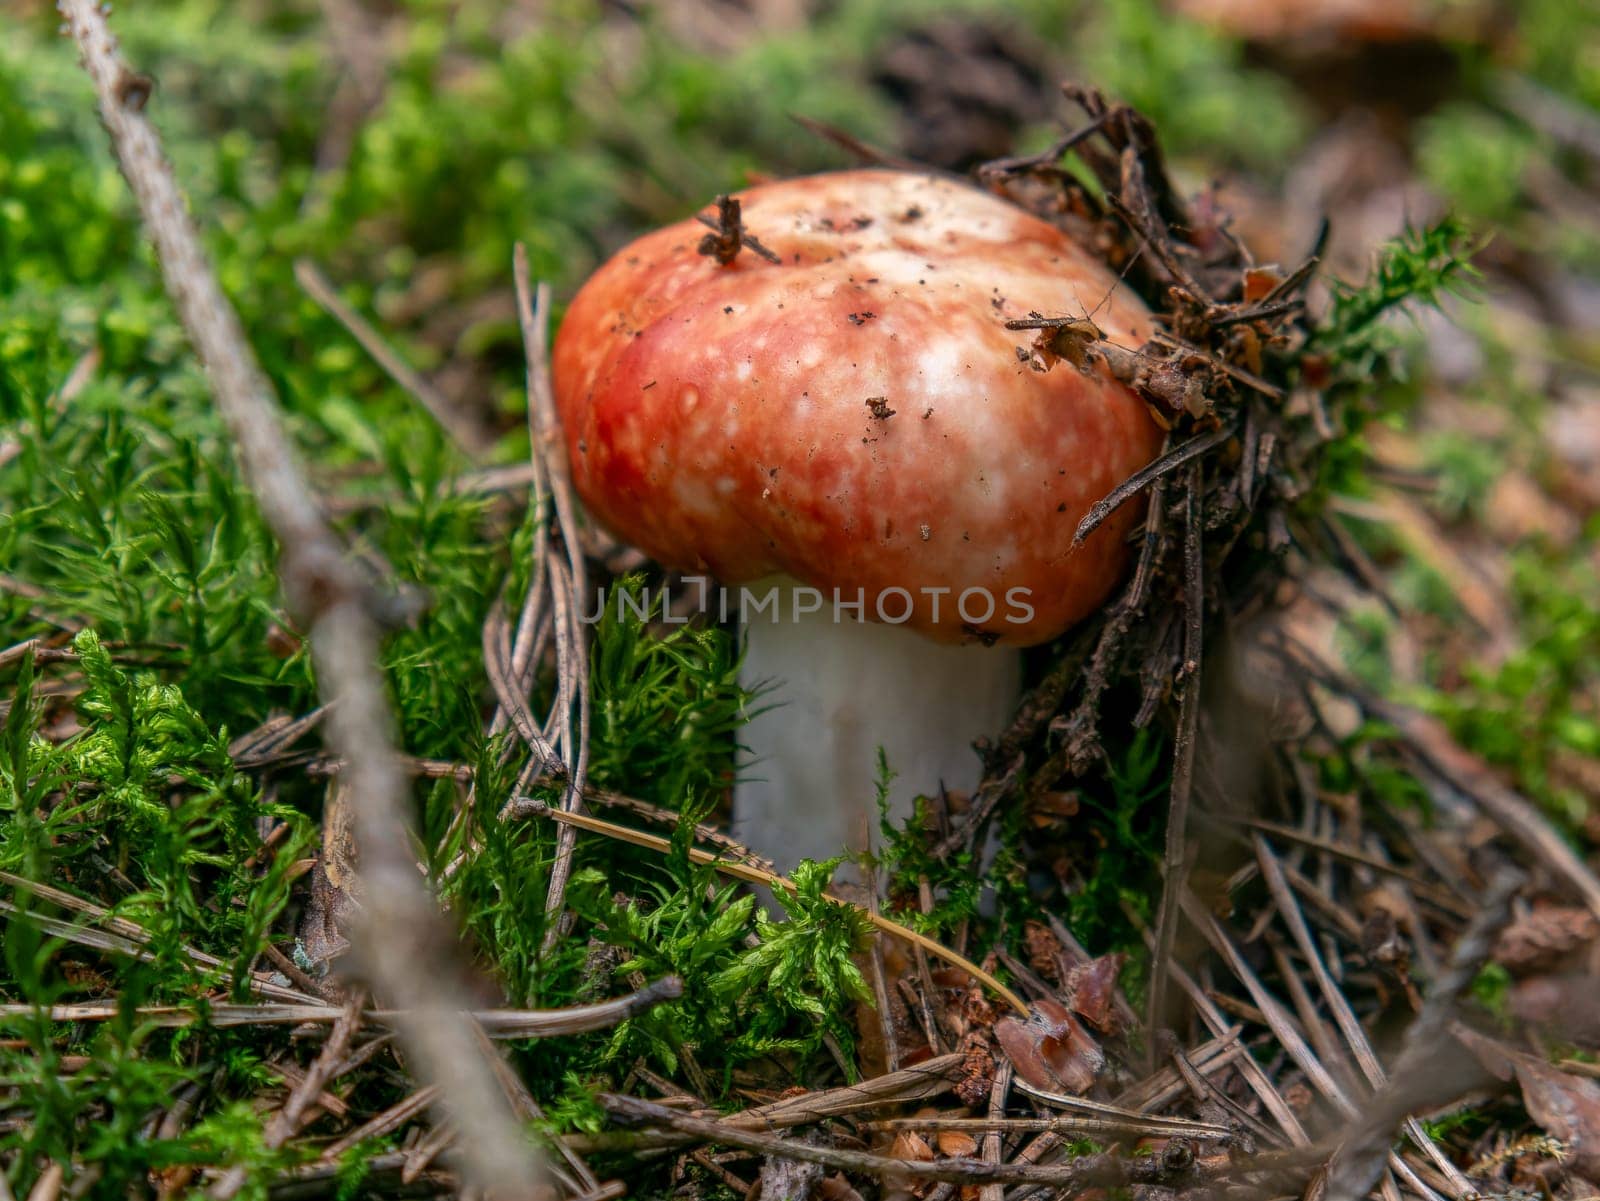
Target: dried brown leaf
[(1092, 987), (1566, 1106), (1260, 281), (908, 1144), (837, 1188), (956, 1143), (1050, 1049)]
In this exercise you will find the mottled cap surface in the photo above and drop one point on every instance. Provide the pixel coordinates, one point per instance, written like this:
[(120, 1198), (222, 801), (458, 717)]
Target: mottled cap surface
[(857, 416)]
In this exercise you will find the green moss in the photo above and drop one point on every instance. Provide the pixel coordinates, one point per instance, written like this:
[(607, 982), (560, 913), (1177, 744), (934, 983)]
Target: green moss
[(1537, 705), (1477, 160), (122, 515), (1193, 84)]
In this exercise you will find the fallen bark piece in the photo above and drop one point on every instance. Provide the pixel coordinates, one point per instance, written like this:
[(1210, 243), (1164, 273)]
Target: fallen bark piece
[(1050, 1049)]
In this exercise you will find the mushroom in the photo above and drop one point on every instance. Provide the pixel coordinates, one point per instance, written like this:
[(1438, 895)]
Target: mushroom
[(1335, 20), (842, 425)]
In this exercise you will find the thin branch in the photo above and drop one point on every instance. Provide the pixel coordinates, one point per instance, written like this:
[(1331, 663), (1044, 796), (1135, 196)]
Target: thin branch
[(134, 947), (1104, 1169), (862, 152), (1426, 1071), (994, 789), (389, 1120), (527, 1109), (288, 1120), (1118, 1116), (1174, 859), (1136, 1127), (567, 588), (1344, 1017), (931, 1078), (667, 817), (496, 1023), (880, 986), (1252, 1071), (1144, 477), (1273, 1013), (511, 668), (993, 1140), (1201, 1089), (1339, 850), (1158, 242), (401, 934), (1248, 378), (1082, 745), (500, 665), (729, 236), (1045, 159)]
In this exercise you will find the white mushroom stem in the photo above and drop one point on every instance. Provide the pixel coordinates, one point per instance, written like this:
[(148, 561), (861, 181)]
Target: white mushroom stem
[(839, 689)]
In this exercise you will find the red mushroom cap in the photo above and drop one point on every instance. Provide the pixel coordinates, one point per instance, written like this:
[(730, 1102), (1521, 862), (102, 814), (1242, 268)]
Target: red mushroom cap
[(858, 416)]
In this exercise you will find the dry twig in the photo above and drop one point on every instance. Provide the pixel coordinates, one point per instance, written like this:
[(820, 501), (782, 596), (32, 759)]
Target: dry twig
[(496, 1023), (1174, 862), (1105, 1170), (401, 935), (1426, 1071), (286, 1122), (567, 582)]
